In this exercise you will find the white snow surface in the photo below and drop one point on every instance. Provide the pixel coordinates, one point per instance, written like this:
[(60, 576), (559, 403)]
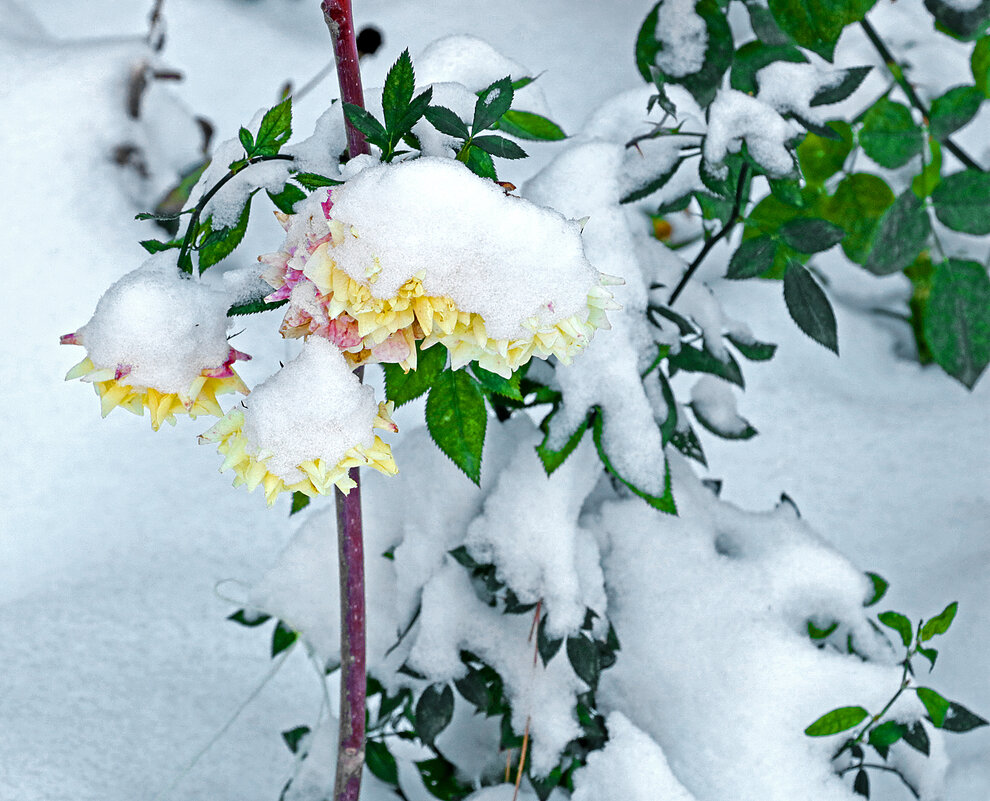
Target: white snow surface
[(684, 36), (713, 400), (735, 117)]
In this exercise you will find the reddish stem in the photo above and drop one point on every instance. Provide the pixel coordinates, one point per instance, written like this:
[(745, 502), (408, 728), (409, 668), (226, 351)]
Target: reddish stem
[(340, 23)]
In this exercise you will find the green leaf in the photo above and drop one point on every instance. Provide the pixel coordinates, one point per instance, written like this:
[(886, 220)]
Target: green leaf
[(668, 428), (275, 129), (652, 185), (687, 442), (916, 736), (754, 56), (583, 656), (440, 779), (381, 762), (960, 202), (901, 235), (957, 320), (293, 737), (811, 235), (820, 157), (286, 200), (940, 623), (372, 129), (495, 384), (837, 720), (398, 90), (936, 705), (546, 646), (954, 110), (809, 306), (413, 114), (527, 125), (220, 244), (402, 387), (752, 258), (447, 122), (816, 24), (499, 146), (697, 360), (247, 140), (718, 53), (491, 104), (960, 719), (312, 181), (255, 306), (282, 638), (889, 135), (851, 79), (861, 784), (886, 734), (665, 502), (924, 183), (966, 24), (764, 25), (154, 246), (899, 623), (552, 459), (251, 621), (300, 501), (473, 688), (747, 432), (456, 419), (931, 654), (480, 163), (858, 206), (817, 633), (434, 711), (880, 586), (752, 349), (979, 63)]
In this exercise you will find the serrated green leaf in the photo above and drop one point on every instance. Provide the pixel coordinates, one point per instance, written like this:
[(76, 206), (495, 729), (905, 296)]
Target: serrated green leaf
[(456, 419), (480, 163), (434, 711), (499, 146), (957, 320), (285, 201), (901, 235), (916, 737), (979, 63), (820, 157), (552, 459), (880, 586), (752, 258), (754, 56), (886, 734), (960, 719), (899, 623), (654, 184), (402, 387), (954, 110), (817, 24), (752, 349), (940, 623), (292, 737), (491, 104), (960, 202), (698, 360), (936, 705), (583, 656), (811, 235), (447, 122), (254, 306), (300, 500), (222, 243), (313, 181), (890, 136), (851, 80), (858, 205), (495, 384), (282, 637), (246, 139), (809, 306), (372, 129), (154, 246), (275, 129), (665, 502), (527, 125), (413, 113), (250, 620), (837, 720), (398, 90)]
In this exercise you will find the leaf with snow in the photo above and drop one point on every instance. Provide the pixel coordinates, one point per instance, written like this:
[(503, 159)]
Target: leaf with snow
[(665, 502), (491, 104), (219, 244), (275, 129), (817, 24), (434, 711), (836, 721)]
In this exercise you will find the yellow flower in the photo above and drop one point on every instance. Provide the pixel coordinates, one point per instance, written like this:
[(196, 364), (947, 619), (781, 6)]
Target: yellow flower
[(319, 475)]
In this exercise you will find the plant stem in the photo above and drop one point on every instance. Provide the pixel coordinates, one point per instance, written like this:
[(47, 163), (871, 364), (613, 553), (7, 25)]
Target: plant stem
[(340, 23), (729, 225), (912, 96)]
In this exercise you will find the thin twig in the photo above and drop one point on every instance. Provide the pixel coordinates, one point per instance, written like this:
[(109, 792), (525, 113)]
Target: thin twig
[(522, 760)]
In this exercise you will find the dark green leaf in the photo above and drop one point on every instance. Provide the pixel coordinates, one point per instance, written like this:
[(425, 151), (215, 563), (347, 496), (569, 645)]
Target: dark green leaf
[(837, 720), (300, 501), (583, 656), (851, 79), (546, 646), (447, 122), (311, 181), (381, 762), (652, 185), (474, 689), (822, 157), (816, 24), (960, 202), (372, 129), (960, 719), (456, 419), (961, 23), (222, 243), (817, 633), (491, 104), (940, 623), (936, 705), (979, 63), (440, 779), (275, 129), (890, 136), (752, 258), (552, 459), (398, 91), (899, 623), (282, 638), (241, 616), (499, 146), (255, 306), (902, 234), (861, 784), (886, 734), (880, 585), (247, 141), (413, 114), (434, 711), (527, 125), (285, 201), (402, 387), (754, 56), (669, 426), (931, 654), (858, 206), (957, 320), (154, 246), (953, 110), (811, 235), (809, 306), (753, 350), (460, 553), (495, 384), (697, 360), (916, 736), (665, 502), (292, 737), (746, 432), (686, 441), (764, 25), (481, 164)]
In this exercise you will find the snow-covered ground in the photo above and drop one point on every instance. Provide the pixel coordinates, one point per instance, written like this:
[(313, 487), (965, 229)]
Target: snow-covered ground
[(117, 663)]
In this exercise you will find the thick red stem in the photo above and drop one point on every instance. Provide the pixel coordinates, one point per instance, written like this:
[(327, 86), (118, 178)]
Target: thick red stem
[(340, 22)]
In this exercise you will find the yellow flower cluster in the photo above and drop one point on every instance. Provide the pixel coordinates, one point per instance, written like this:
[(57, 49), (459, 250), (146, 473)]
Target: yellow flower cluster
[(319, 476)]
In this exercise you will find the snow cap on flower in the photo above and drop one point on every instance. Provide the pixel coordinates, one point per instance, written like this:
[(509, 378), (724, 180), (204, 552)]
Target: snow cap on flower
[(426, 250), (305, 427), (158, 340)]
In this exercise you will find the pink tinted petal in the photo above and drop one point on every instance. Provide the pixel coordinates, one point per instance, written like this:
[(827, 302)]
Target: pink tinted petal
[(122, 370), (69, 339), (327, 204), (282, 293), (393, 349), (343, 332)]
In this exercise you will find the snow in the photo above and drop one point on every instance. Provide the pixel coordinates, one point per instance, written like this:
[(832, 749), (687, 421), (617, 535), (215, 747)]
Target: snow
[(790, 87), (684, 36), (713, 400), (734, 118)]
